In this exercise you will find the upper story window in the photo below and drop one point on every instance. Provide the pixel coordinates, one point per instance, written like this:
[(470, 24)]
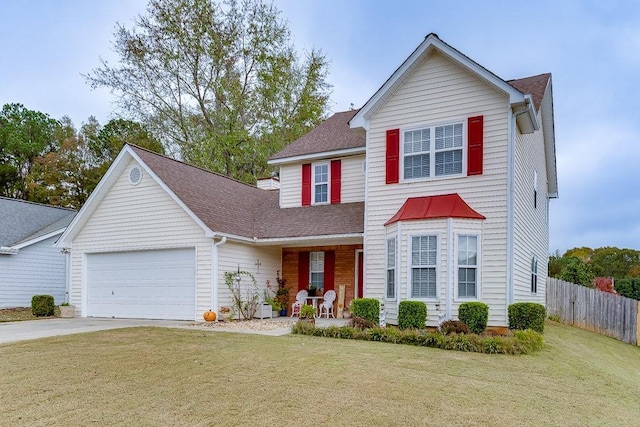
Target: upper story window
[(320, 183), (432, 151)]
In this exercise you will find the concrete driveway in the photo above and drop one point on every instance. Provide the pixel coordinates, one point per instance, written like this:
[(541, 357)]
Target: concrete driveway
[(34, 329)]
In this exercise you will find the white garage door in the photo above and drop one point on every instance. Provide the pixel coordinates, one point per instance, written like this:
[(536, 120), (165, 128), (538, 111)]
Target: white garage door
[(157, 284)]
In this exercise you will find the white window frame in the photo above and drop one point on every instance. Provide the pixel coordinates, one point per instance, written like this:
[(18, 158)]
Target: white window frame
[(457, 266), (311, 270), (314, 183), (410, 267), (391, 267), (534, 275), (432, 150)]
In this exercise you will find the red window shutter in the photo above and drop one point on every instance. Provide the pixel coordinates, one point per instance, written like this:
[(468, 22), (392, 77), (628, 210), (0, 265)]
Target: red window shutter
[(475, 129), (329, 270), (336, 176), (306, 184), (303, 270), (393, 156)]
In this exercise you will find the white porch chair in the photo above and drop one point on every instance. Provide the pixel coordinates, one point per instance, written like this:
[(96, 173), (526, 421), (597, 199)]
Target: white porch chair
[(301, 299), (327, 304)]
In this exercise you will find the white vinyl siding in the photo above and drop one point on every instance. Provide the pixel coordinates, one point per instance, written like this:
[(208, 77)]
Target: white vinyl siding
[(38, 269), (135, 218), (531, 227), (437, 92), (351, 180)]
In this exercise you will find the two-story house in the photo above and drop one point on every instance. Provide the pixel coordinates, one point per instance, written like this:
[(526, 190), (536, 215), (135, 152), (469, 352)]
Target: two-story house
[(436, 190)]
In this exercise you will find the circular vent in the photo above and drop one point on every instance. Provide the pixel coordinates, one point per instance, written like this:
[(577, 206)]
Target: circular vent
[(135, 175)]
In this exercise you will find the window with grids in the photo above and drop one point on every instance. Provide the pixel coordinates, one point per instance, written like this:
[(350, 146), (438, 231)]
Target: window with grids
[(534, 274), (321, 183), (391, 268), (316, 269), (433, 151), (467, 266), (424, 255)]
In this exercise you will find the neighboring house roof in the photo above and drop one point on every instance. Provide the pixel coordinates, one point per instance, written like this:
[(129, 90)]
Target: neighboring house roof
[(23, 223), (431, 207), (332, 135)]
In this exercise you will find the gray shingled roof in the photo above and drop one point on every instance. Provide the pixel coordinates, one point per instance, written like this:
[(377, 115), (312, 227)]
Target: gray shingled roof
[(21, 221), (232, 207), (331, 135), (534, 86)]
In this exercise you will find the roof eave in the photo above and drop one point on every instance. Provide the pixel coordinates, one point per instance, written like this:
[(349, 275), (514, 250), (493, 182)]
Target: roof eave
[(316, 156)]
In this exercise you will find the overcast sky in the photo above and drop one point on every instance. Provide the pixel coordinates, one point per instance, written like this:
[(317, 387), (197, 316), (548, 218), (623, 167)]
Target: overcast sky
[(592, 49)]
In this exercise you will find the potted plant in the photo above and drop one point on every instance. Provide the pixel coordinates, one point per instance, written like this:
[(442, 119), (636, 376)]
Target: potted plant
[(282, 294), (275, 307), (225, 313), (67, 310), (312, 290), (307, 314)]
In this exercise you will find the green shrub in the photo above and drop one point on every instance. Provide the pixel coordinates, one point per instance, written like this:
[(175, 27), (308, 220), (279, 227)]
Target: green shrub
[(629, 288), (527, 315), (42, 305), (412, 314), (521, 342), (454, 326), (307, 312), (475, 315), (367, 308)]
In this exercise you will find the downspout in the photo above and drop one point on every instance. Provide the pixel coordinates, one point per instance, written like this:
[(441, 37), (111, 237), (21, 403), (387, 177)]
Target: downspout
[(450, 265), (214, 274), (399, 275), (67, 278)]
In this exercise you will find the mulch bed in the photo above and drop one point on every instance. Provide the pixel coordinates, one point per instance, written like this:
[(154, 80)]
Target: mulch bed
[(22, 313)]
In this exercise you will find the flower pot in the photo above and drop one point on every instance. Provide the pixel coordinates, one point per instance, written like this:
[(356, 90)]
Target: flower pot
[(275, 313), (283, 312), (67, 311)]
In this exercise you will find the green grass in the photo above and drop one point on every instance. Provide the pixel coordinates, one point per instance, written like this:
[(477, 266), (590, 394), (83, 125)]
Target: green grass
[(155, 376)]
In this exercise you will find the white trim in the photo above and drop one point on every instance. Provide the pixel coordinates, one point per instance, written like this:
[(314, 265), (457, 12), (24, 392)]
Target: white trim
[(105, 184), (313, 183), (431, 42), (215, 272), (316, 156), (454, 262), (511, 121), (388, 237), (410, 267), (4, 250), (399, 261), (131, 169), (432, 151), (38, 239), (84, 299), (67, 275), (450, 270), (309, 238)]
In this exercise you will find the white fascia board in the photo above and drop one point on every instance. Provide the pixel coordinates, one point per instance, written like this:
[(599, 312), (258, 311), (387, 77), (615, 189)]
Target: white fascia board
[(4, 250), (361, 119), (284, 240), (94, 199), (315, 156), (38, 239), (194, 217)]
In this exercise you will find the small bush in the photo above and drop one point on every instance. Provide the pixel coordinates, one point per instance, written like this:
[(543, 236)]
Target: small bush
[(454, 327), (42, 305), (367, 308), (307, 312), (412, 314), (475, 315), (527, 315)]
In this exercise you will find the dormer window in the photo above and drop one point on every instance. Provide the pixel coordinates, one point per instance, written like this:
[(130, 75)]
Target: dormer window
[(320, 183)]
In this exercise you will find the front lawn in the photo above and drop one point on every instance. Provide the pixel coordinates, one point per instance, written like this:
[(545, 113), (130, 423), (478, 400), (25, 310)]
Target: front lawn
[(155, 376)]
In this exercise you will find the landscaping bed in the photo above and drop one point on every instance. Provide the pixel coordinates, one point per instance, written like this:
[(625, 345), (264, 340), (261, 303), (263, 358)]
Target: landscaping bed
[(23, 313)]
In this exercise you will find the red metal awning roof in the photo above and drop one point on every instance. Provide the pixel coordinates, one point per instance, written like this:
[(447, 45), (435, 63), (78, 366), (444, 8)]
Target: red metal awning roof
[(430, 207)]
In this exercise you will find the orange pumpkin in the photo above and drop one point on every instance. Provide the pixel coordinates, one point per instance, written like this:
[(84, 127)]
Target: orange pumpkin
[(210, 316)]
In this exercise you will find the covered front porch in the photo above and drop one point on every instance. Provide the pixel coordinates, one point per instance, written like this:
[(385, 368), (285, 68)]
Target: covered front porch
[(319, 269)]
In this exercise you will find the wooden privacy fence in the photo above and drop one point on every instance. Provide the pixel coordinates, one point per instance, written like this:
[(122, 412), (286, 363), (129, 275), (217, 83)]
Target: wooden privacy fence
[(597, 311)]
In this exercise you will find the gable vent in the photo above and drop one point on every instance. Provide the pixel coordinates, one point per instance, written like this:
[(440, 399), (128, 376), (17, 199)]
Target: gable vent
[(135, 175)]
